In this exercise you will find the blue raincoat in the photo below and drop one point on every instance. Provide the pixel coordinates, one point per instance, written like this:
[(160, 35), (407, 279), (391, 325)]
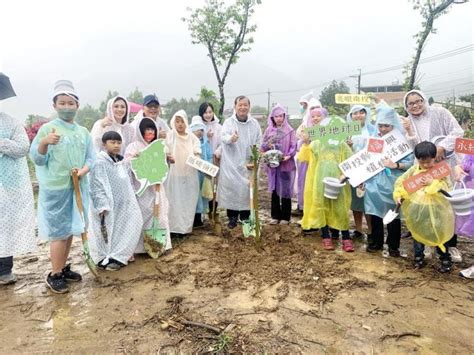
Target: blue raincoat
[(378, 199), (58, 216)]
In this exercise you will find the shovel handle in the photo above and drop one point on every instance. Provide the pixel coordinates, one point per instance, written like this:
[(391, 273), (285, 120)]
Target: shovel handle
[(342, 181), (156, 207), (445, 193)]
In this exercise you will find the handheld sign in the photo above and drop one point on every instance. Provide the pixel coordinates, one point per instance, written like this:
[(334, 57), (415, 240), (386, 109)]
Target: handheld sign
[(351, 99), (202, 165), (150, 167), (336, 130), (464, 146), (364, 164), (439, 171)]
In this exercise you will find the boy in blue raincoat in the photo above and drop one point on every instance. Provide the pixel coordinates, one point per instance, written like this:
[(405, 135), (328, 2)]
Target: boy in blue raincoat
[(61, 146)]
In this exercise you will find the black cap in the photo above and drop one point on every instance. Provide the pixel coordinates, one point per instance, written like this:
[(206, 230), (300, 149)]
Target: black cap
[(150, 98)]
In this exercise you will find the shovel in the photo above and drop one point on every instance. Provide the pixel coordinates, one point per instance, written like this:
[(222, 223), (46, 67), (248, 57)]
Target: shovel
[(85, 244), (216, 221), (154, 239), (391, 215), (445, 193)]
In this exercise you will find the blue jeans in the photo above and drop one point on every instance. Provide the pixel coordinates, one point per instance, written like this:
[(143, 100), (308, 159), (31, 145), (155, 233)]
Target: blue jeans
[(6, 265), (419, 249)]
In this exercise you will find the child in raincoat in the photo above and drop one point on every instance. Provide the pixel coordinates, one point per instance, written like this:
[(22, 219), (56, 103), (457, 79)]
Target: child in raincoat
[(147, 133), (281, 136), (61, 146), (435, 221), (114, 207), (182, 183), (199, 129), (361, 114), (118, 113), (319, 211), (17, 231), (378, 199), (465, 224)]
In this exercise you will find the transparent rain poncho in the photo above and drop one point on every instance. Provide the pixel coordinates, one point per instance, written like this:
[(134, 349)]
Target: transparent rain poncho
[(146, 201), (58, 216), (233, 188), (124, 128), (320, 211), (111, 191), (182, 183), (17, 222)]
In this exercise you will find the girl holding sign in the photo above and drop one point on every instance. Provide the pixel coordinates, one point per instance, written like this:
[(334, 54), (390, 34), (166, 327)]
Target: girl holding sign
[(361, 114), (378, 198)]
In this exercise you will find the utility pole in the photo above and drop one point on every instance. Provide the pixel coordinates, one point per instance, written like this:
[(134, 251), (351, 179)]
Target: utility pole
[(454, 99), (268, 102), (358, 79)]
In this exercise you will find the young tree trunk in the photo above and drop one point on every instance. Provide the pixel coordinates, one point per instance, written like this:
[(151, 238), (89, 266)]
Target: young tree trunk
[(222, 100), (419, 49)]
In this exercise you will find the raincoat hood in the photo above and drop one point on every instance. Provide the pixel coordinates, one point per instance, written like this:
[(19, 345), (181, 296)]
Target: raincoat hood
[(306, 97), (197, 124), (278, 110), (418, 92), (146, 122), (357, 108), (110, 113), (387, 115), (184, 116)]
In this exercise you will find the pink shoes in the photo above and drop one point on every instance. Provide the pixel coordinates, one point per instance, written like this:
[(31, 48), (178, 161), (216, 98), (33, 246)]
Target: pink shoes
[(327, 244), (347, 245)]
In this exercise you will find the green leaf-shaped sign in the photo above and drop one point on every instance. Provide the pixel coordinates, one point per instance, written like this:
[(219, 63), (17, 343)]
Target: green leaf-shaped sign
[(333, 130), (150, 167)]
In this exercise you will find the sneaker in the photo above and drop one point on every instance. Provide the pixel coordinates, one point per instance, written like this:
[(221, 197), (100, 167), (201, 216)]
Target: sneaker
[(57, 283), (372, 248), (284, 222), (274, 221), (394, 253), (468, 273), (406, 234), (7, 279), (232, 222), (445, 266), (347, 245), (428, 252), (70, 275), (327, 244), (419, 263), (456, 256), (113, 266), (356, 234)]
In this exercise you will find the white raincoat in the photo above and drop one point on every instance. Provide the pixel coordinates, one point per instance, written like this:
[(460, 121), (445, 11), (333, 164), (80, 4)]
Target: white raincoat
[(233, 190), (147, 200), (111, 191), (17, 216), (182, 183), (124, 129)]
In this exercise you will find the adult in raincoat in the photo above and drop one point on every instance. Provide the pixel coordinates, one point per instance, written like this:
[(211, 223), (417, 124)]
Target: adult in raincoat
[(424, 123), (182, 183), (147, 200), (118, 113), (378, 199), (61, 146), (323, 212), (361, 114), (239, 133), (114, 202), (17, 222), (281, 136), (151, 109)]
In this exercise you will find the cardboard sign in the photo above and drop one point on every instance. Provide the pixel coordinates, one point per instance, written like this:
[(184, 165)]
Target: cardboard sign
[(352, 99), (363, 165), (437, 172), (375, 145), (464, 146), (336, 130), (202, 165), (150, 167)]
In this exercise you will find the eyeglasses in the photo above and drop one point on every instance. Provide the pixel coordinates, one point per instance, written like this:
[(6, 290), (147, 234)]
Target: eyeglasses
[(413, 103), (384, 125)]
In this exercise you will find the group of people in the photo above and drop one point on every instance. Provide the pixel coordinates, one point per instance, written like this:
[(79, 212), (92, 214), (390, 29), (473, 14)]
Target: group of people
[(108, 187)]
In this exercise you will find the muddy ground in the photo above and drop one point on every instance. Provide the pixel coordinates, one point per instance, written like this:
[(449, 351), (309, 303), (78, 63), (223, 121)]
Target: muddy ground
[(292, 297)]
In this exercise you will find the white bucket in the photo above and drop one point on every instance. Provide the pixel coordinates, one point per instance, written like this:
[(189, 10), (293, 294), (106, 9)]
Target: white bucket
[(461, 200), (332, 187)]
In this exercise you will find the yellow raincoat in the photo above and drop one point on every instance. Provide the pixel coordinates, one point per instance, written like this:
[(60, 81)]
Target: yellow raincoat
[(428, 215), (320, 211)]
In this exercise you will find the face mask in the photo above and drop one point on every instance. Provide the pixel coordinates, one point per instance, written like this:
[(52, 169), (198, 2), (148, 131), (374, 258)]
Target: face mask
[(149, 136), (67, 114), (301, 109)]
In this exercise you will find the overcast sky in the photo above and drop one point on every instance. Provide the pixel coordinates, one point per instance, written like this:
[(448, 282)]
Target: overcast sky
[(299, 45)]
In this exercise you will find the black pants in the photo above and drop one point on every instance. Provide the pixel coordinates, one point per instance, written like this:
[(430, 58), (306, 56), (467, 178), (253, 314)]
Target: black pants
[(419, 251), (453, 242), (244, 215), (394, 230), (334, 233), (6, 265), (281, 207), (211, 205)]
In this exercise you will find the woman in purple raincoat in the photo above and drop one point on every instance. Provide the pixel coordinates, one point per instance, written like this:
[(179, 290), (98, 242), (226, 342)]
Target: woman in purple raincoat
[(279, 135)]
